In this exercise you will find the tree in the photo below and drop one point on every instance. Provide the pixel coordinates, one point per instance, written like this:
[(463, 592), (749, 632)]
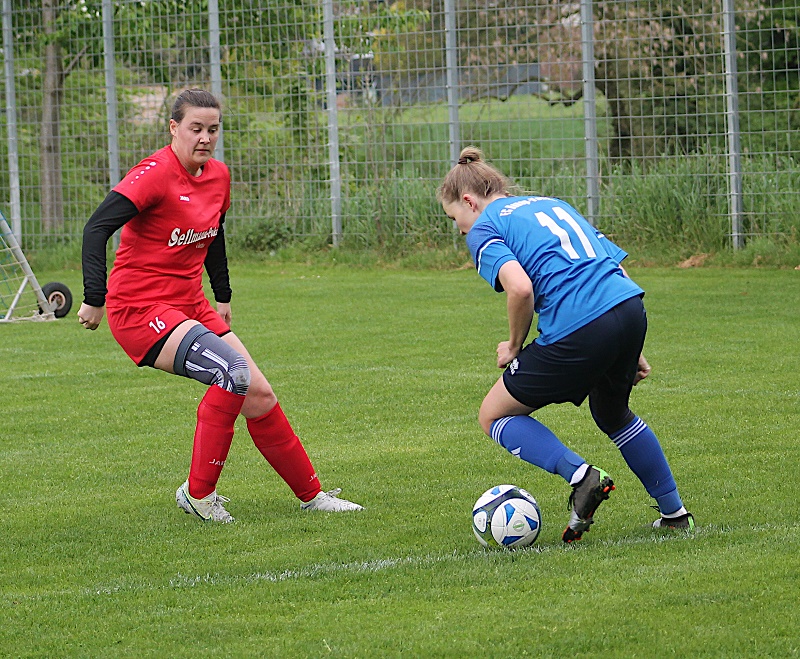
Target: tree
[(658, 63), (61, 43)]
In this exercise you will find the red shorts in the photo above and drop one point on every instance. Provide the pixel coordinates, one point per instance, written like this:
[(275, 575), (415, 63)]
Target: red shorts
[(137, 329)]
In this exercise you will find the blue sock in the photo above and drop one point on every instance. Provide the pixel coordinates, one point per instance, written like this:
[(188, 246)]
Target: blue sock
[(644, 455), (534, 442)]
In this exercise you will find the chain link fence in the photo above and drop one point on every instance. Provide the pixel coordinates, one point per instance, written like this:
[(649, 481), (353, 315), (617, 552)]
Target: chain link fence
[(660, 120)]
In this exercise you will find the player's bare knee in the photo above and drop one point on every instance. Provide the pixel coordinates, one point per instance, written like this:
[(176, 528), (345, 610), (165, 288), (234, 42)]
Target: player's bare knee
[(486, 420), (261, 394)]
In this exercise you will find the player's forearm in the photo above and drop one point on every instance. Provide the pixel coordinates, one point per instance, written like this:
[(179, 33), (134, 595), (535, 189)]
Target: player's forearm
[(520, 317), (519, 294)]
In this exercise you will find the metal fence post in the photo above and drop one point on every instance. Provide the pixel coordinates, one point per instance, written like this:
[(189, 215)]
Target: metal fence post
[(11, 122), (590, 113), (333, 122), (109, 60), (732, 123), (451, 60), (216, 66)]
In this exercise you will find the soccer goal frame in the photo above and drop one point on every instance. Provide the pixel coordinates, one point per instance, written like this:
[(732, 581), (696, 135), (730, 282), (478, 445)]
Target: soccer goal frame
[(52, 301)]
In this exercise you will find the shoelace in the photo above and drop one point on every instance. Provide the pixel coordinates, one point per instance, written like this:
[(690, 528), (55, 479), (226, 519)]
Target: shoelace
[(571, 499), (218, 510), (219, 500)]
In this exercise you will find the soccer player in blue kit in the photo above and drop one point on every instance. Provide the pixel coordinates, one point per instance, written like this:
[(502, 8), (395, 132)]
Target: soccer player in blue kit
[(550, 261)]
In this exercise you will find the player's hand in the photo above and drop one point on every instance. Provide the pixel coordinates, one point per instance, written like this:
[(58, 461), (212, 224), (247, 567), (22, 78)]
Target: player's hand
[(224, 310), (643, 370), (505, 354), (90, 317)]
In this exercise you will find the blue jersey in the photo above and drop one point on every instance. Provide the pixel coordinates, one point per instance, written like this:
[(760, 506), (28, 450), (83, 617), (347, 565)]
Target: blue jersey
[(573, 267)]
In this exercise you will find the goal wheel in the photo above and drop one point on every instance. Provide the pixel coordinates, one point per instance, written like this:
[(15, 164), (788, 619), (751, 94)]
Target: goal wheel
[(59, 295)]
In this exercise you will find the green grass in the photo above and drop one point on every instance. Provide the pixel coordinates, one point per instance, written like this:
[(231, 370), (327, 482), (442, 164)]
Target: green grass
[(382, 373)]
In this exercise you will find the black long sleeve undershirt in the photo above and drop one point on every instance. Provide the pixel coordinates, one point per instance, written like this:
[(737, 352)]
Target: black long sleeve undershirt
[(112, 214), (216, 264)]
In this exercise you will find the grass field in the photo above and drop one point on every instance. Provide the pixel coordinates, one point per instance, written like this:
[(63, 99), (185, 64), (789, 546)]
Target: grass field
[(382, 373)]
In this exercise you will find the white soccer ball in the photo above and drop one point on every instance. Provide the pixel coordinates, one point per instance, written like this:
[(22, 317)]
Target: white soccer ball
[(506, 516)]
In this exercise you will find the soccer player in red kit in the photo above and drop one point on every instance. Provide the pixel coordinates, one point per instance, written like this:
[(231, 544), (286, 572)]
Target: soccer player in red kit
[(171, 208)]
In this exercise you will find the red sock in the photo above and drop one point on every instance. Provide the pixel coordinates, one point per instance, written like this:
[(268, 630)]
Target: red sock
[(274, 437), (216, 415)]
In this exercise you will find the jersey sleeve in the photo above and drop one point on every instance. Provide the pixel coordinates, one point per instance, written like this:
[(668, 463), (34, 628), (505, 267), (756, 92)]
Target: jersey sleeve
[(145, 184), (610, 248), (489, 252), (226, 206)]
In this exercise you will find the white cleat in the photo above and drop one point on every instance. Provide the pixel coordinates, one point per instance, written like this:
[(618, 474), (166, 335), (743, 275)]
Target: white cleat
[(209, 509), (329, 502)]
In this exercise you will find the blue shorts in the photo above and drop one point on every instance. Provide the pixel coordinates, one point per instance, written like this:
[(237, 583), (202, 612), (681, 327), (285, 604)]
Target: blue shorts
[(599, 361)]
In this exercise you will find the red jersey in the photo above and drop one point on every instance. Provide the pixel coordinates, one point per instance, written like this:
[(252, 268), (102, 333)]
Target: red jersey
[(162, 250)]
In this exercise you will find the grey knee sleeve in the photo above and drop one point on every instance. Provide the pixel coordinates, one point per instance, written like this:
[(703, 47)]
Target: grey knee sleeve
[(205, 357)]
